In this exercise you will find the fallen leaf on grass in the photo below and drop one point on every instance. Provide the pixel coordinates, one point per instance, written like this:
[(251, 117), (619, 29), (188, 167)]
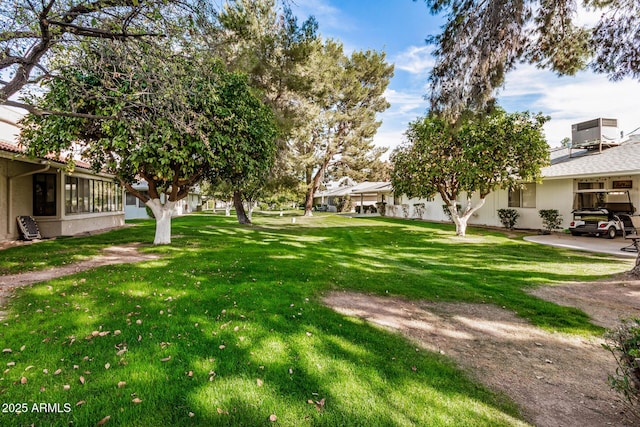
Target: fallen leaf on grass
[(190, 374), (66, 387), (10, 364), (121, 384), (107, 365), (104, 420), (137, 400), (259, 382), (57, 372), (81, 380), (222, 411), (273, 418), (121, 352), (319, 403), (7, 350), (23, 380), (166, 359), (81, 402)]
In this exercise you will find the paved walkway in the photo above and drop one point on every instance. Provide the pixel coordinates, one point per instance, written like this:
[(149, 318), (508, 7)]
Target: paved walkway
[(585, 243)]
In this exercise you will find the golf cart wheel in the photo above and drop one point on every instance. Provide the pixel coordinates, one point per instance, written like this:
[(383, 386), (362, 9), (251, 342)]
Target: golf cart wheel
[(611, 233)]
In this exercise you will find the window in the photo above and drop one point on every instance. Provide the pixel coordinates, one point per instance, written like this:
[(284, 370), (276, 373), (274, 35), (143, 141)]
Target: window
[(524, 197), (44, 194), (84, 195), (131, 200)]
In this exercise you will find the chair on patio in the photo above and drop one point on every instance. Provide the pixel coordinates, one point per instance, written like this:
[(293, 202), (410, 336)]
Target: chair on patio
[(634, 237), (28, 228)]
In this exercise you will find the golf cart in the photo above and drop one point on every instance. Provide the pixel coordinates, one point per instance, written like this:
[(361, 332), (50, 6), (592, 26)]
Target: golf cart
[(601, 212)]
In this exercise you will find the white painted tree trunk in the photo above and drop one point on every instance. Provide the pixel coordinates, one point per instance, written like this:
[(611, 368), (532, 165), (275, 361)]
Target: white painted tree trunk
[(163, 214), (250, 211), (227, 208), (461, 221)]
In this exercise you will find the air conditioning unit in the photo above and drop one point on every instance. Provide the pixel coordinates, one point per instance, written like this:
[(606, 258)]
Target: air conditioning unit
[(596, 133)]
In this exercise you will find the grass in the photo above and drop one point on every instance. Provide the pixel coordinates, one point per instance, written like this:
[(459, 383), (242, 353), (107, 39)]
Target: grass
[(227, 329)]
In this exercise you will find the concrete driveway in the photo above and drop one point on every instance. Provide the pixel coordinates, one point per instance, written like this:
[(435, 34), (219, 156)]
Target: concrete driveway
[(585, 243)]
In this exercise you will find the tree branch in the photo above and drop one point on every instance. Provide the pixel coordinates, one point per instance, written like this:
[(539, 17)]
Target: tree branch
[(99, 33), (38, 112)]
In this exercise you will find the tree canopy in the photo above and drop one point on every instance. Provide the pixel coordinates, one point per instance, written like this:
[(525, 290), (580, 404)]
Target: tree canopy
[(482, 40), (263, 39), (170, 123), (347, 93), (481, 153), (33, 34)]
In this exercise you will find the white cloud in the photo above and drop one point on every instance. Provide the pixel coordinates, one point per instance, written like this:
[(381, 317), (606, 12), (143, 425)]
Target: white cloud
[(570, 100), (405, 103), (328, 16), (405, 107), (415, 60)]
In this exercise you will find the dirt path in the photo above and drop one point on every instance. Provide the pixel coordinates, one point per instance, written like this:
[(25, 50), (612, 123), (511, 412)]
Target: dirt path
[(111, 255), (557, 379)]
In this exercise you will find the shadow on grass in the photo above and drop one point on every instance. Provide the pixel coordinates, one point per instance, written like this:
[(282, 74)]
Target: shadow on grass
[(227, 328)]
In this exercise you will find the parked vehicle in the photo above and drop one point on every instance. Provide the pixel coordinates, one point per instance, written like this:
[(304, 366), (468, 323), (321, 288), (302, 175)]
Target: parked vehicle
[(601, 212)]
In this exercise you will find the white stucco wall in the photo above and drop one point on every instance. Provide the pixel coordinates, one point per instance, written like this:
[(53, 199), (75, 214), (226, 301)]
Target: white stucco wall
[(550, 194)]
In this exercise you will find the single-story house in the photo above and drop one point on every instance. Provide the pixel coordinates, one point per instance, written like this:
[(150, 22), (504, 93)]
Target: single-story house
[(363, 197), (579, 166), (62, 202)]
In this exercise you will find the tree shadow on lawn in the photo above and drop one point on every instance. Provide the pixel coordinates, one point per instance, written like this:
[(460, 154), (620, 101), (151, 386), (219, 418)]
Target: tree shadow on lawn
[(221, 353), (433, 266), (268, 282)]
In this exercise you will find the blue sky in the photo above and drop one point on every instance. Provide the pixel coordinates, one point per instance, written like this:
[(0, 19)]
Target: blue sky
[(400, 27)]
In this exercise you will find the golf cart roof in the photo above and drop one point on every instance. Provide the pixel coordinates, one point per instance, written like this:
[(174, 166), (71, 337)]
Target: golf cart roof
[(602, 190)]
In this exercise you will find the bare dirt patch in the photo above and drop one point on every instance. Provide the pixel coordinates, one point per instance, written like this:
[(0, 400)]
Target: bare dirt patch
[(557, 379), (109, 256)]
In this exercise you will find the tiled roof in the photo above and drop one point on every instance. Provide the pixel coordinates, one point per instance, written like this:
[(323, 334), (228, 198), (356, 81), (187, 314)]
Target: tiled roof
[(621, 160), (8, 146)]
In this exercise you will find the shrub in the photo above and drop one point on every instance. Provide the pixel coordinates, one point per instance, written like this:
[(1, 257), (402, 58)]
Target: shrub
[(419, 208), (624, 343), (405, 210), (508, 217), (382, 208), (551, 219)]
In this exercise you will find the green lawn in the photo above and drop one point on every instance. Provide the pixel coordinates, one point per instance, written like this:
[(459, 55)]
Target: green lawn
[(227, 329)]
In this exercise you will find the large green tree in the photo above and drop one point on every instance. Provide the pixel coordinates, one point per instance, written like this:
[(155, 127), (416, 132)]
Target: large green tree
[(33, 33), (263, 39), (480, 154), (348, 92), (173, 122), (482, 40)]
